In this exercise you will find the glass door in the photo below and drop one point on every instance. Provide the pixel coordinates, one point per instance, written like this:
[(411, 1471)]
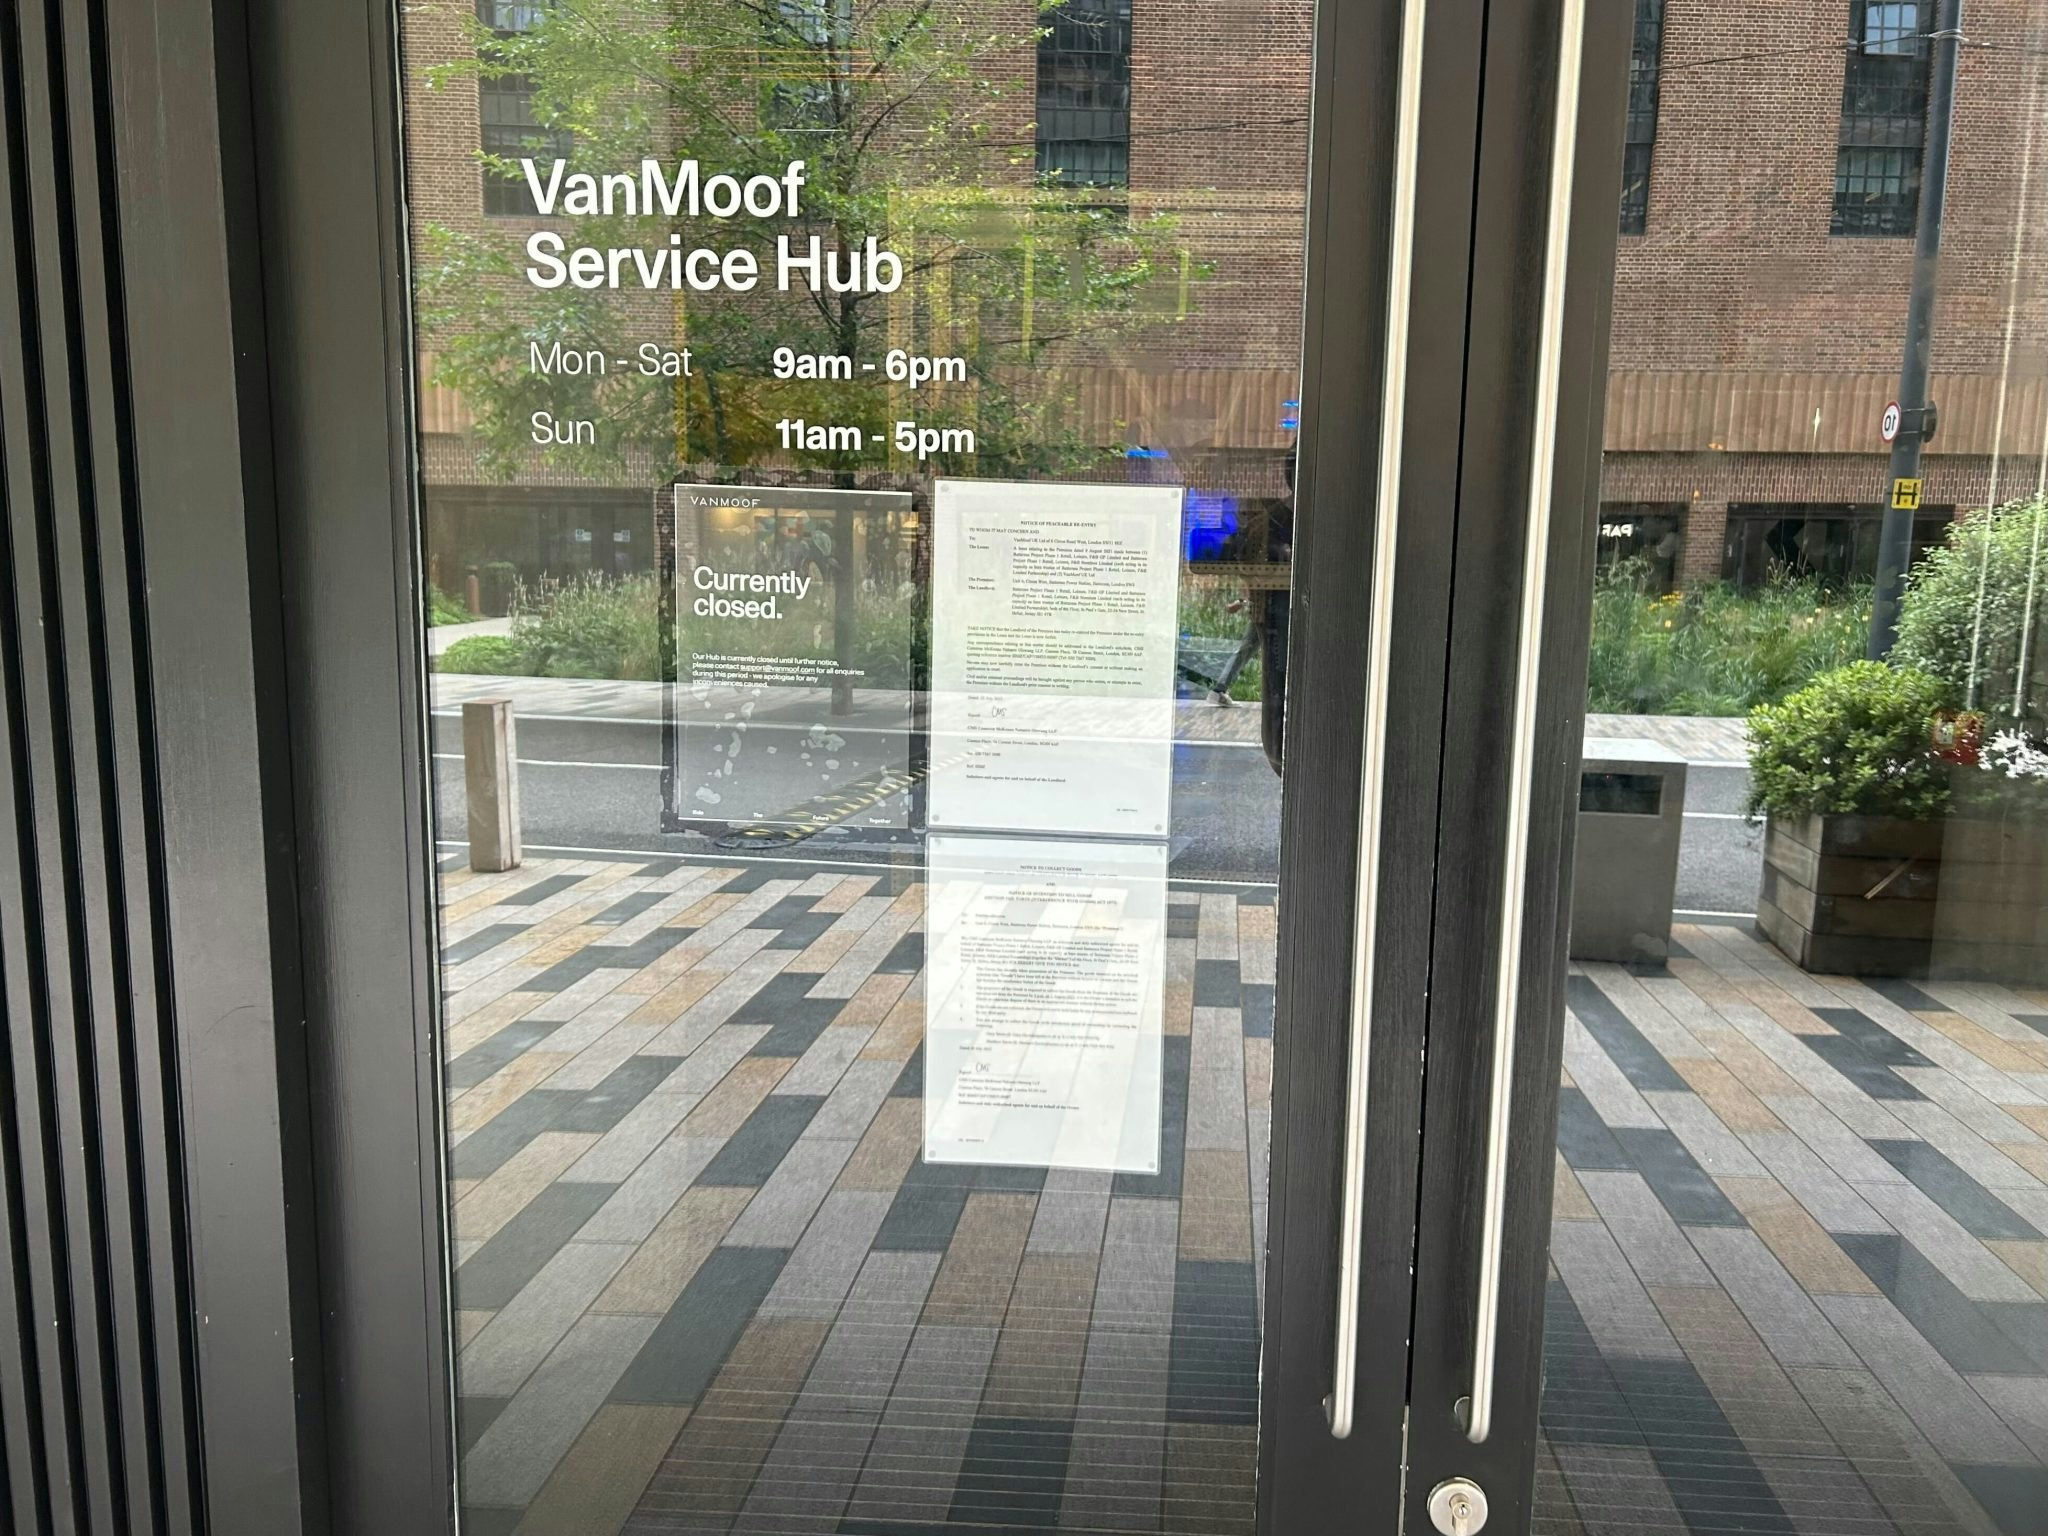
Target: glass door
[(1754, 1241), (895, 797)]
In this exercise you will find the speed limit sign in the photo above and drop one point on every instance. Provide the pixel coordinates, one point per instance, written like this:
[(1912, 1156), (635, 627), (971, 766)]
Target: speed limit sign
[(1888, 424)]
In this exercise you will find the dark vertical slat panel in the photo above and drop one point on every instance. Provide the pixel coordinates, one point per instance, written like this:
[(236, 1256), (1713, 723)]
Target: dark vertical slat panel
[(95, 1420), (178, 77)]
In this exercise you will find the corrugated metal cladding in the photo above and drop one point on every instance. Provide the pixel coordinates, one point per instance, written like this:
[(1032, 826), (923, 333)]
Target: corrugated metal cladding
[(97, 1411)]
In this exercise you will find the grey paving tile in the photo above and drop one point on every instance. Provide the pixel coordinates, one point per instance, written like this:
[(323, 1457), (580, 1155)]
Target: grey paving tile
[(1976, 1271), (851, 1105), (516, 1252), (1585, 1139), (1688, 1194), (1618, 1311), (778, 1215), (1777, 1307), (1825, 1194), (825, 1060), (1215, 1077), (1966, 1336), (481, 1060), (1642, 1063), (914, 1459), (2022, 1401), (525, 1330), (1956, 1421), (637, 1205), (2014, 1497), (625, 1086), (757, 1149), (514, 1456), (1717, 1150), (809, 1476), (1841, 1148), (1069, 1221), (1606, 1087), (1981, 1213), (1652, 1242), (637, 1133), (824, 1265), (687, 1346)]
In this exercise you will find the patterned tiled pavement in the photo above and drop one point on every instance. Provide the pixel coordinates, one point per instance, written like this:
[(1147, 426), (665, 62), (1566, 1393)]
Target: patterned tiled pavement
[(706, 1284)]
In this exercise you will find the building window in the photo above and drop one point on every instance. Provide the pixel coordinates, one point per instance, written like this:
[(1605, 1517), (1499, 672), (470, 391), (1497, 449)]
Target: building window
[(507, 124), (1884, 119), (1647, 538), (1837, 544), (1084, 94), (1643, 61)]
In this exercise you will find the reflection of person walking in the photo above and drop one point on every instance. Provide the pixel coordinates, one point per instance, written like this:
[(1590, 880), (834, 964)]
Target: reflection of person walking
[(1247, 648)]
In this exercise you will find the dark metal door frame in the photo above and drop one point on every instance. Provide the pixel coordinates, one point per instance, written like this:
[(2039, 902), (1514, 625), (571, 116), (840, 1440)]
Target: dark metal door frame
[(323, 80), (259, 158)]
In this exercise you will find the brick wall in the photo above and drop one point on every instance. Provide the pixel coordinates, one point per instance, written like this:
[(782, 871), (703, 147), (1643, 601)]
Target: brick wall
[(1736, 277)]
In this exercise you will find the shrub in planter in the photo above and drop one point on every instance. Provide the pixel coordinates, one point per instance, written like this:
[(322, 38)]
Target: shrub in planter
[(493, 655), (1846, 774), (1968, 604)]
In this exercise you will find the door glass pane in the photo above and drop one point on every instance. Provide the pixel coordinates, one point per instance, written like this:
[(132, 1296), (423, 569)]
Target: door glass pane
[(1800, 1242), (858, 447)]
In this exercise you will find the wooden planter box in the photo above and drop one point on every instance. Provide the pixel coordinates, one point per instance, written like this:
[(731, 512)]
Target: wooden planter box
[(1852, 895), (1992, 921)]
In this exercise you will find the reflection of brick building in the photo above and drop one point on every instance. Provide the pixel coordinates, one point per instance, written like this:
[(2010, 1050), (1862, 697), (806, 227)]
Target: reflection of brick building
[(1198, 112), (1759, 306), (1754, 348)]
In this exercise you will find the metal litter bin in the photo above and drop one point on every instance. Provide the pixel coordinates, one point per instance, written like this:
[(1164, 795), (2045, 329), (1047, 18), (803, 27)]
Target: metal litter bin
[(1625, 878)]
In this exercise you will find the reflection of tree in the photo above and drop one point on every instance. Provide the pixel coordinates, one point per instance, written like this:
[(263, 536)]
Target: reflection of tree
[(907, 141)]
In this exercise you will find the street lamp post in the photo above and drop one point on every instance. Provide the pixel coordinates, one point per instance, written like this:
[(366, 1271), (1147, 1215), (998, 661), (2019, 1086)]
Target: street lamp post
[(1902, 499)]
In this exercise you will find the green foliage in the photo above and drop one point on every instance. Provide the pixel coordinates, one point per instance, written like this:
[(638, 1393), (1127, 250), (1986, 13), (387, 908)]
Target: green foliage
[(1205, 613), (1854, 740), (492, 655), (1974, 597), (908, 140), (592, 627), (1715, 650), (444, 609)]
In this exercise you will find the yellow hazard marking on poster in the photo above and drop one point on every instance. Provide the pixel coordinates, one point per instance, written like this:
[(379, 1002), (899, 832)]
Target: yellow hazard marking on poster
[(1906, 495)]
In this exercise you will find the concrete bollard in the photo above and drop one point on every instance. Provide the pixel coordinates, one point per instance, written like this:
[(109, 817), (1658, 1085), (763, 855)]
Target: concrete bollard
[(490, 776)]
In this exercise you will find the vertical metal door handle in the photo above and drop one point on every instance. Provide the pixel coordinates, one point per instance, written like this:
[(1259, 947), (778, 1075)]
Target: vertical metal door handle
[(1341, 1402), (1522, 744)]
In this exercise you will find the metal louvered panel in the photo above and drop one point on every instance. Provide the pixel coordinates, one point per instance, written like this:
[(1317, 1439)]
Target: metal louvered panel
[(96, 1366)]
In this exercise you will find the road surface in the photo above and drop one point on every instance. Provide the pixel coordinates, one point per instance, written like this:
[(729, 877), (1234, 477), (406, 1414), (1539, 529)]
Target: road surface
[(596, 784)]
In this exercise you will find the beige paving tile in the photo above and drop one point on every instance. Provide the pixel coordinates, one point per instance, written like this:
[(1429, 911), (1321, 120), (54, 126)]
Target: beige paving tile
[(469, 1322), (523, 1072), (851, 888), (1704, 981), (522, 1176), (654, 1277), (2005, 1055), (885, 1153), (1750, 1067), (874, 1002), (1257, 942), (673, 999), (2028, 1260), (1180, 1007), (1037, 1367), (563, 945), (1801, 1244), (487, 1021), (830, 947), (1216, 1205), (1737, 1107), (1568, 1199), (980, 1265), (593, 1489), (901, 1030), (723, 1110), (2033, 1116)]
